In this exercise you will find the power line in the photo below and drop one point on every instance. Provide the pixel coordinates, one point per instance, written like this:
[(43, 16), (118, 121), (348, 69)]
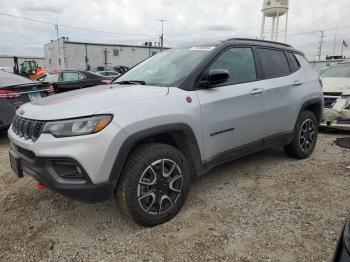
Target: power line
[(71, 26)]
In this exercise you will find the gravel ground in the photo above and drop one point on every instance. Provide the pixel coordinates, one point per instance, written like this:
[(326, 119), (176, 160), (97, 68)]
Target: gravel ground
[(265, 207)]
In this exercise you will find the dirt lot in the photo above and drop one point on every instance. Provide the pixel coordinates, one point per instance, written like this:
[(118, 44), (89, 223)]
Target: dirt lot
[(266, 207)]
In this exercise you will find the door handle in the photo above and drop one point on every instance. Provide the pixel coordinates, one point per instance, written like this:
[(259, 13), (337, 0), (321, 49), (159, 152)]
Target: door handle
[(297, 83), (257, 91)]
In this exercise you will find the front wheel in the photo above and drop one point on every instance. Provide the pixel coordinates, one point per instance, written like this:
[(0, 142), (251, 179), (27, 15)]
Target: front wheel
[(304, 137), (154, 184)]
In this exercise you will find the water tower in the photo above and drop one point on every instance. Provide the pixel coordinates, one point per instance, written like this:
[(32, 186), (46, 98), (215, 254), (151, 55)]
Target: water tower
[(274, 9)]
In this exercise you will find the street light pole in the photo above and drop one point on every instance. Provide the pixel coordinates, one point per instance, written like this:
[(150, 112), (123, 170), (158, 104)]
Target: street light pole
[(162, 35)]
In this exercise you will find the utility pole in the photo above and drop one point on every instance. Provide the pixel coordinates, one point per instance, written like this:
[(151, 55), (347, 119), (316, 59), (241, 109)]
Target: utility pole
[(162, 35), (321, 44), (335, 40), (56, 27)]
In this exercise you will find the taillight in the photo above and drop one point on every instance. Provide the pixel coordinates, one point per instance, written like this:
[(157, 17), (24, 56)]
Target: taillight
[(8, 94), (106, 81)]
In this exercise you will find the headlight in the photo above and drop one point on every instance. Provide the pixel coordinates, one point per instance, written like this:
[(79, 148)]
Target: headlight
[(78, 126)]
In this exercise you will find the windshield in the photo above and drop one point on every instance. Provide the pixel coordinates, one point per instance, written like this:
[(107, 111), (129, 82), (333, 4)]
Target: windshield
[(338, 71), (167, 68)]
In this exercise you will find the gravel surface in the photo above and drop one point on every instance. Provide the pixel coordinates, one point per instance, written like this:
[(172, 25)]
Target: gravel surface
[(265, 207)]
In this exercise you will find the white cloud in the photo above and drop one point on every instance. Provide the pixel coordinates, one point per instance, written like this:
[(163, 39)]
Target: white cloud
[(187, 21)]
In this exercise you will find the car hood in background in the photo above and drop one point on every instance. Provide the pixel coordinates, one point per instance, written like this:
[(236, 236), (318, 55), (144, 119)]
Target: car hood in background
[(88, 101), (336, 85)]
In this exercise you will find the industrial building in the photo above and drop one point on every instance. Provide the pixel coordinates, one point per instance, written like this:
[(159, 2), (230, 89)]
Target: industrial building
[(63, 54)]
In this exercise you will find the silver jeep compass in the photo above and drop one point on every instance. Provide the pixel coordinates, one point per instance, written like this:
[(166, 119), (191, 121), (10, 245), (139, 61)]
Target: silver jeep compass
[(174, 116)]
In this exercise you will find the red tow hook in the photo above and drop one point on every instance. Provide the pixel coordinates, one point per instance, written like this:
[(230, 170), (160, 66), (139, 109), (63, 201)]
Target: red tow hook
[(40, 186)]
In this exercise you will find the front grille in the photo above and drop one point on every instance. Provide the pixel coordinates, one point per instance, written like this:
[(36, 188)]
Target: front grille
[(329, 101), (27, 128)]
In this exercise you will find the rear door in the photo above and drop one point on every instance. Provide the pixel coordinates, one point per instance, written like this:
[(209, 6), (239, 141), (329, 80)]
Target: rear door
[(233, 112), (281, 82)]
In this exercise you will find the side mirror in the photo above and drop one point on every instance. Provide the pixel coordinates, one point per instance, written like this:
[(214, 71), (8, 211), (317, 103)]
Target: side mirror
[(215, 77)]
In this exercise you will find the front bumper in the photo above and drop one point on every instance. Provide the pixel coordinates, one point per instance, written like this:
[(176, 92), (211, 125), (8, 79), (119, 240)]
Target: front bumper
[(336, 117), (48, 172), (94, 155)]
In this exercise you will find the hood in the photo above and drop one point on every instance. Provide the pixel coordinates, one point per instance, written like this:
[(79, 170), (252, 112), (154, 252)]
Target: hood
[(335, 84), (88, 101)]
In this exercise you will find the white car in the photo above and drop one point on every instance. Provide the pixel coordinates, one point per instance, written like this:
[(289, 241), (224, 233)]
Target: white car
[(336, 92)]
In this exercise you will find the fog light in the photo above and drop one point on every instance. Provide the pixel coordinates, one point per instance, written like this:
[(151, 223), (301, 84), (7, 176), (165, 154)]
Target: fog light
[(68, 169)]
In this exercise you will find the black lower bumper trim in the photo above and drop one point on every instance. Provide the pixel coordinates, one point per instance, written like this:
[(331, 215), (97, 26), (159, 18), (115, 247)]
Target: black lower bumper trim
[(80, 190)]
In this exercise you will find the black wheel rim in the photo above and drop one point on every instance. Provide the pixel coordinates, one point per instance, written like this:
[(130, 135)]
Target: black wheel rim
[(159, 187), (307, 135)]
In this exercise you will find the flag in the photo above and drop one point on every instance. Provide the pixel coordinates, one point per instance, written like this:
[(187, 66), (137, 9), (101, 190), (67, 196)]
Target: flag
[(345, 44)]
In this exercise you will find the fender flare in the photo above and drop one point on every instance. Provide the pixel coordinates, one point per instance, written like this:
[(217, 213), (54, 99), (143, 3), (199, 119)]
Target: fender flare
[(129, 143), (314, 101)]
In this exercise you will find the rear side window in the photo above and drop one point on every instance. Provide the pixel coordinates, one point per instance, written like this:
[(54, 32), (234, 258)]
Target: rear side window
[(274, 63), (71, 76), (294, 62), (81, 76), (239, 62)]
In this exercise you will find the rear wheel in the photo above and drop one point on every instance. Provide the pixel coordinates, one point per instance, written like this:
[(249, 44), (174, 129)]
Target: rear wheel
[(154, 184), (305, 136)]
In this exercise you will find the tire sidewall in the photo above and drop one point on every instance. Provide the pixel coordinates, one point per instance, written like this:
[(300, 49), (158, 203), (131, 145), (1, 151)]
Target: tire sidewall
[(304, 116), (135, 210)]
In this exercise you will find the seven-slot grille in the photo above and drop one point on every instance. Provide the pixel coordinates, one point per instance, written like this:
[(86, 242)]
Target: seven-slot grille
[(27, 128), (329, 101)]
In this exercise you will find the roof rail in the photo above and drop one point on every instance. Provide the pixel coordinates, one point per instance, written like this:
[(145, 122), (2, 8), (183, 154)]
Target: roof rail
[(257, 40)]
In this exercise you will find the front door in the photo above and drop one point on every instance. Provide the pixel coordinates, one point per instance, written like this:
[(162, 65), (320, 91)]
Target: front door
[(233, 112)]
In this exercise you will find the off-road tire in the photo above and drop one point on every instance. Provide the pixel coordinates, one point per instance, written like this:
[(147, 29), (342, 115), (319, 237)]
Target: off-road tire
[(294, 149), (137, 163)]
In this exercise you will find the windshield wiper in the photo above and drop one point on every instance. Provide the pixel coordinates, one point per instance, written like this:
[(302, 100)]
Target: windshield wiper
[(131, 82)]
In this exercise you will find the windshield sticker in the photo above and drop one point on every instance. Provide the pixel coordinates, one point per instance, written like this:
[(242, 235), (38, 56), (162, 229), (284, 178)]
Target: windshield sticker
[(202, 48)]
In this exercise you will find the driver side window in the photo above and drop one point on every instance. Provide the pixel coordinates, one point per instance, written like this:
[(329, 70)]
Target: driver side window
[(239, 62)]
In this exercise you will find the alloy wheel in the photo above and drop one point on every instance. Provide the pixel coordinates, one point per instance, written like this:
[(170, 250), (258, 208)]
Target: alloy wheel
[(307, 135), (159, 187)]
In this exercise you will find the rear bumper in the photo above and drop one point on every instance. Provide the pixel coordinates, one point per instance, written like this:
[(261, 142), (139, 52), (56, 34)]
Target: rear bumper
[(44, 171)]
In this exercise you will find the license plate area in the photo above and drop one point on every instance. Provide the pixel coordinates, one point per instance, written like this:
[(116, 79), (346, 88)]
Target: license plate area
[(15, 162)]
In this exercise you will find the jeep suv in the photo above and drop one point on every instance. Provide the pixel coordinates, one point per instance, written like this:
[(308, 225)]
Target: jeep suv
[(174, 116)]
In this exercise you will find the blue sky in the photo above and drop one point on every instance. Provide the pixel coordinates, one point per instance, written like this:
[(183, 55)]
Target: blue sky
[(188, 22)]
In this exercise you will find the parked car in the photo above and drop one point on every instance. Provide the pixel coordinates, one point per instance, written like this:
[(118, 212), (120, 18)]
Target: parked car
[(108, 73), (336, 92), (15, 91), (342, 253), (176, 115), (68, 80)]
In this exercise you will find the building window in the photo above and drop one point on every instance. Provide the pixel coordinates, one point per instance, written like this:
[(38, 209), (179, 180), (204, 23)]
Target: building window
[(50, 61), (59, 61), (115, 52)]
